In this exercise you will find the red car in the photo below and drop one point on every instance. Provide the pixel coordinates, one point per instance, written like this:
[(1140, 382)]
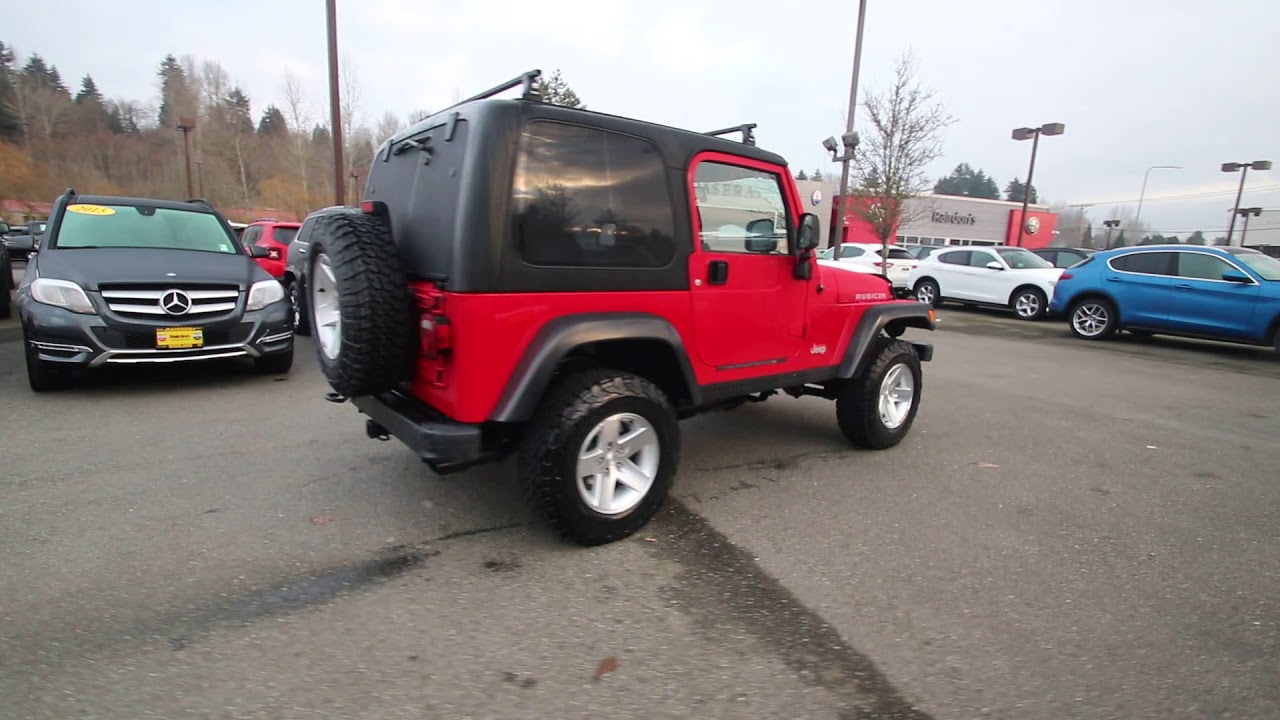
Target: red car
[(275, 238)]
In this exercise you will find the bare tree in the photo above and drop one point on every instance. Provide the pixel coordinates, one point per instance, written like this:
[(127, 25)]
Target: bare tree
[(389, 124), (350, 109), (418, 116), (902, 135), (299, 117)]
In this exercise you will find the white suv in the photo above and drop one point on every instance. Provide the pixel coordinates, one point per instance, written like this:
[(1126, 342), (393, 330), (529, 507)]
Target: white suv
[(896, 264), (999, 275)]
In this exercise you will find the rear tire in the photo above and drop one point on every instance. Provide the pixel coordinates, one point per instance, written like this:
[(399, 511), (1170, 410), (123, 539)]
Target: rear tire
[(45, 376), (1094, 318), (877, 410), (567, 464), (359, 305)]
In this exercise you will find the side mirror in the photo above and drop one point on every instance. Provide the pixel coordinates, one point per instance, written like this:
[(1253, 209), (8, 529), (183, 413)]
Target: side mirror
[(809, 230), (993, 265), (258, 252), (1236, 276), (25, 243), (4, 228)]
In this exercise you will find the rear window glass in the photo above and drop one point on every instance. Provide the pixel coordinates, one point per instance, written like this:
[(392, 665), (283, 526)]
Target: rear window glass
[(127, 226), (284, 235), (590, 198)]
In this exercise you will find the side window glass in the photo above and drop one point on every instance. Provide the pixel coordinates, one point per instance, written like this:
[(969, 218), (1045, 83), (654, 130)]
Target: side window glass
[(590, 198), (1202, 266), (1145, 263), (848, 251), (741, 209), (955, 258), (251, 235), (980, 259)]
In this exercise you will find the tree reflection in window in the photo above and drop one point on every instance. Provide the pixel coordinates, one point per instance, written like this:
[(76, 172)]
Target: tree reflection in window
[(587, 197)]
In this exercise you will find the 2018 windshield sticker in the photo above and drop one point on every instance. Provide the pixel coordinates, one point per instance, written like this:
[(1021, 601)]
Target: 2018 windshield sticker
[(91, 209)]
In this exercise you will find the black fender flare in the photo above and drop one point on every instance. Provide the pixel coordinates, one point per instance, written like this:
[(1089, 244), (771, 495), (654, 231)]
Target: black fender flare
[(873, 322), (532, 375)]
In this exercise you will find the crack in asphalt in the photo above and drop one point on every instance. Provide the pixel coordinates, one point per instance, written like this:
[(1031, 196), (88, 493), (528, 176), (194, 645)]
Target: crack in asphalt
[(721, 584)]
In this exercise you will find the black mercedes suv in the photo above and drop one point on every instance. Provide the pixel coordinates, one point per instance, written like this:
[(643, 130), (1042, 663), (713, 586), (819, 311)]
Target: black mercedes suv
[(132, 280)]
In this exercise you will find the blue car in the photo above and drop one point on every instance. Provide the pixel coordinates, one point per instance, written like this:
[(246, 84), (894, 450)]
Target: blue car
[(1217, 293)]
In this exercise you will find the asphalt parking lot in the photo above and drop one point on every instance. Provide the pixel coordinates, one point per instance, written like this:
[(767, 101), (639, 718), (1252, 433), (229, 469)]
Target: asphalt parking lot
[(1072, 530)]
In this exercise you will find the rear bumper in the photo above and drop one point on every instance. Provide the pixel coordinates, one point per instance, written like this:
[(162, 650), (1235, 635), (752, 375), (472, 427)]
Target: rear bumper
[(445, 445)]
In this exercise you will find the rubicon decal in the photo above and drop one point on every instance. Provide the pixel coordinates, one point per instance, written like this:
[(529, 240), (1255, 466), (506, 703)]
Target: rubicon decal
[(870, 296)]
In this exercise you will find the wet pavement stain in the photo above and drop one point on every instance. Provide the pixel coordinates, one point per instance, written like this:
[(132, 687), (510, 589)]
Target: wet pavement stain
[(721, 584)]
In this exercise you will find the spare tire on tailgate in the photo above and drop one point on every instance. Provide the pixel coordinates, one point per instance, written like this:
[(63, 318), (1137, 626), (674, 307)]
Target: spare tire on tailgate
[(359, 304)]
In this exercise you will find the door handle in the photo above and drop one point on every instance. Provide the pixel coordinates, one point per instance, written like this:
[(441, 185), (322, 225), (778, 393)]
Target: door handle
[(1184, 286), (718, 272), (1115, 279)]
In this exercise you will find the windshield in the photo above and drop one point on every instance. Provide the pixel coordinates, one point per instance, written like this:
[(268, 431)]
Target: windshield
[(128, 226), (1020, 259), (1267, 267)]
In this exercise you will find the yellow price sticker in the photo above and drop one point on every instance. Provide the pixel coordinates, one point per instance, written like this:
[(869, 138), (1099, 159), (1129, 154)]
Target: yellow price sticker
[(91, 209)]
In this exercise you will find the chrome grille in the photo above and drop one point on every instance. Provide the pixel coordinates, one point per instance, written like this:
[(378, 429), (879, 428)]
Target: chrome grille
[(146, 300)]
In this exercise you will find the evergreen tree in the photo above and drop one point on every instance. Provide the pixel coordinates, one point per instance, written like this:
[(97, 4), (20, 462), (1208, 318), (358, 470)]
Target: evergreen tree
[(175, 92), (557, 92), (1015, 191), (801, 175), (817, 175), (273, 123), (10, 119), (1196, 238)]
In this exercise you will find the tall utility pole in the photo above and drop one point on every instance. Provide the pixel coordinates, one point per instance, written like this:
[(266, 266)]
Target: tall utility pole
[(1243, 169), (1142, 195), (186, 125), (1034, 134), (335, 106), (850, 140)]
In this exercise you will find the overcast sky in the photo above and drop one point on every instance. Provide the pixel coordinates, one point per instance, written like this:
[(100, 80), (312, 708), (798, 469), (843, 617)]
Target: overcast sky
[(1137, 82)]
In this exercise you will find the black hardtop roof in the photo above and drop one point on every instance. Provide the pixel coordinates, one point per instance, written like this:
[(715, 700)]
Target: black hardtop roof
[(685, 142)]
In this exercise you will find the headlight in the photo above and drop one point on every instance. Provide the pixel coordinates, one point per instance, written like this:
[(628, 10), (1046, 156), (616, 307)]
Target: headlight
[(263, 293), (63, 294)]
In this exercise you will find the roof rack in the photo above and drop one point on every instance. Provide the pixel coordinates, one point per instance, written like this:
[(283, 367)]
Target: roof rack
[(748, 133), (530, 81)]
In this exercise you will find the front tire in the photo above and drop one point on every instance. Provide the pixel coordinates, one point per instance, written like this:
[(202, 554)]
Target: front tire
[(877, 410), (298, 300), (1094, 319), (1029, 303), (927, 292), (275, 363), (42, 375), (600, 455)]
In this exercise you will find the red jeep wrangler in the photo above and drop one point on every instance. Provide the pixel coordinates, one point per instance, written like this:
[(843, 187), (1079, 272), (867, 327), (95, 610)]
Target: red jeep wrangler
[(565, 284)]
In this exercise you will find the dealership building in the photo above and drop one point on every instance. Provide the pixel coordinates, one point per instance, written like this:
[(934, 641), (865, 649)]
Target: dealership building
[(941, 220)]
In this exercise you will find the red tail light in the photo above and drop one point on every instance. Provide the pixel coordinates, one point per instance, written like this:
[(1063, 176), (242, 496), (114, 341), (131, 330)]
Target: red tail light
[(373, 207), (1065, 276)]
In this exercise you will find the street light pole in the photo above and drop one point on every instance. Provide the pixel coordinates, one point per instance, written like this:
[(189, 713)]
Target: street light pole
[(1245, 213), (1111, 224), (842, 192), (1143, 194), (1034, 134), (335, 107), (1243, 169)]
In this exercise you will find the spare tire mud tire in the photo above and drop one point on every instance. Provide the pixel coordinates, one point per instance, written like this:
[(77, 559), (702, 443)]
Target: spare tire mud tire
[(358, 304)]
